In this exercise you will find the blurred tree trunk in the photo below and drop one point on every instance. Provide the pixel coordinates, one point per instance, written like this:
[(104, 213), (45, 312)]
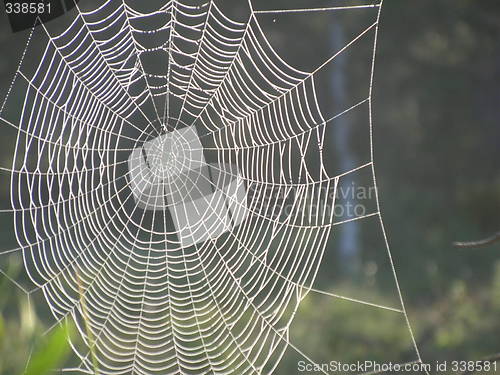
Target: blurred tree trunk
[(347, 234)]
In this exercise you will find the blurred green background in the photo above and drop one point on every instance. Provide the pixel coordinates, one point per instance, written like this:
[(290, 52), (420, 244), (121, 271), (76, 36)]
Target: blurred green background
[(437, 146)]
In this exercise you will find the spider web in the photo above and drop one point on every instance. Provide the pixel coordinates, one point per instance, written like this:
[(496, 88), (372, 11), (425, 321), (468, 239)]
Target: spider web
[(143, 301)]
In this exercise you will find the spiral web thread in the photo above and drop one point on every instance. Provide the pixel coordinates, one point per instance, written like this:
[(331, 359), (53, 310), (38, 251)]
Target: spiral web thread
[(143, 303)]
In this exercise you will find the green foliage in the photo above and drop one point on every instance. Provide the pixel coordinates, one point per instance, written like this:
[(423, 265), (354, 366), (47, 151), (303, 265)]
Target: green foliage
[(350, 331), (21, 330), (51, 352)]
